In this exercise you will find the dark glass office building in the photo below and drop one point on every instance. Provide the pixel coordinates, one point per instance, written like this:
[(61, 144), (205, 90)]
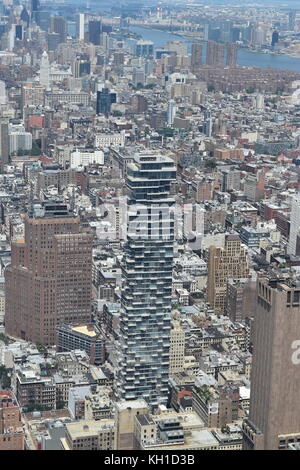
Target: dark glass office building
[(104, 101), (95, 30)]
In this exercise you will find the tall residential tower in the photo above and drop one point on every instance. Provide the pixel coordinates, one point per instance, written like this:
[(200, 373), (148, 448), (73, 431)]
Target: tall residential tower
[(145, 322)]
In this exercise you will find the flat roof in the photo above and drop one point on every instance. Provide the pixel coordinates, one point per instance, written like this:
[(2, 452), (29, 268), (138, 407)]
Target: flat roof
[(85, 330), (88, 427)]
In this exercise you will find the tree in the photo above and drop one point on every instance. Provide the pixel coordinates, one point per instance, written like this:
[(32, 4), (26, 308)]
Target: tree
[(4, 338), (60, 405), (210, 163), (41, 348), (5, 379), (225, 429)]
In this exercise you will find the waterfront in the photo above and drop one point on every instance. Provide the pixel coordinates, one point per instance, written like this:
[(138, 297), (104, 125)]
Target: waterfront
[(245, 56)]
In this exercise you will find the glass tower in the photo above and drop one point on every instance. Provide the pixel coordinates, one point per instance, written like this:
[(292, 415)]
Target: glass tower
[(145, 320)]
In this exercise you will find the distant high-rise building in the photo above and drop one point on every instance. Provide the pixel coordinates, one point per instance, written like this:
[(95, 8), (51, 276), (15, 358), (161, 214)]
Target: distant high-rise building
[(260, 102), (274, 416), (81, 26), (176, 46), (292, 20), (215, 53), (53, 41), (95, 29), (104, 101), (25, 16), (294, 226), (49, 279), (81, 66), (196, 58), (19, 32), (3, 96), (139, 103), (145, 320), (59, 26), (275, 38), (43, 19), (235, 34), (4, 143), (35, 4), (224, 263), (144, 48), (171, 112), (259, 36), (45, 70), (138, 76), (231, 58)]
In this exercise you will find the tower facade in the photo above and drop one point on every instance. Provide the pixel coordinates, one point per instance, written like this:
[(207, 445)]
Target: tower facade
[(231, 58), (196, 57), (295, 225), (104, 101), (224, 263), (49, 279), (171, 112), (81, 26), (145, 321), (95, 30), (59, 26), (215, 53), (4, 143), (274, 417)]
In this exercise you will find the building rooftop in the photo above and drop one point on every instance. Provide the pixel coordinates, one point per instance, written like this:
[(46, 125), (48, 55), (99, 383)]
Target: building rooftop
[(88, 427)]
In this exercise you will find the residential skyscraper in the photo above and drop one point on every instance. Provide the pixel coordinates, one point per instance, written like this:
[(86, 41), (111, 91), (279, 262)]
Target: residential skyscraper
[(196, 57), (295, 225), (145, 320), (274, 417), (215, 53), (49, 279), (231, 58), (224, 263)]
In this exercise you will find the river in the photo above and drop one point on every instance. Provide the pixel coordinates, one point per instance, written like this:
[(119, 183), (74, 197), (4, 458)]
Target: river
[(245, 56)]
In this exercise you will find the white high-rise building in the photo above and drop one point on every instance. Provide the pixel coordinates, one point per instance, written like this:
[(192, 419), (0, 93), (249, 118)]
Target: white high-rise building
[(3, 97), (11, 38), (260, 102), (45, 70), (81, 26), (171, 112), (19, 139), (295, 225)]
